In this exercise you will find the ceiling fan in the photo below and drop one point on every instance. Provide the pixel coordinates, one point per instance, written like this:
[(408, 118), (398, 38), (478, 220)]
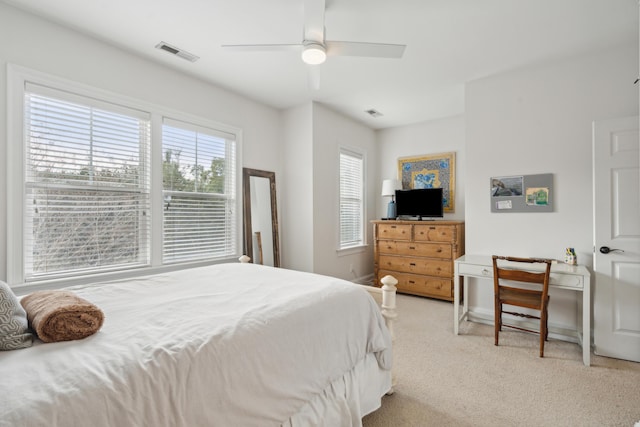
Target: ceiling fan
[(315, 49)]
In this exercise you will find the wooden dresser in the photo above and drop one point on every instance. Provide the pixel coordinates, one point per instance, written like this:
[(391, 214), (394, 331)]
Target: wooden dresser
[(419, 254)]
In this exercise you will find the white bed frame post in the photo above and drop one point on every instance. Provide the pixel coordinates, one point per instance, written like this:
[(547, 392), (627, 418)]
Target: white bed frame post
[(390, 314), (389, 302)]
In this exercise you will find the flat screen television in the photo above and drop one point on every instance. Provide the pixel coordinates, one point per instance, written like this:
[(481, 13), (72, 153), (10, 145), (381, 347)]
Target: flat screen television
[(423, 203)]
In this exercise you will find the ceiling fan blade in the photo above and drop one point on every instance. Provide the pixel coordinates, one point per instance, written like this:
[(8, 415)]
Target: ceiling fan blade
[(377, 50), (314, 20), (313, 73), (261, 47)]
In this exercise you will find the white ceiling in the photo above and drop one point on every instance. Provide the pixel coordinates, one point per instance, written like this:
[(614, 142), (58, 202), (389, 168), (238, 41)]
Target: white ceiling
[(449, 42)]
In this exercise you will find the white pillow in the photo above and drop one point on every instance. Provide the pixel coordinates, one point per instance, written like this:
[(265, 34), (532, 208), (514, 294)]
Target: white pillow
[(14, 326)]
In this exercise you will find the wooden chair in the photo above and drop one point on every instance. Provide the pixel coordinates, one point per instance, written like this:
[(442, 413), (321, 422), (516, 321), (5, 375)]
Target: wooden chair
[(512, 293)]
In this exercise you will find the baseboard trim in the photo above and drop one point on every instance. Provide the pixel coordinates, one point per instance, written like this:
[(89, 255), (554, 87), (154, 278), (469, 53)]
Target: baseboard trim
[(364, 280)]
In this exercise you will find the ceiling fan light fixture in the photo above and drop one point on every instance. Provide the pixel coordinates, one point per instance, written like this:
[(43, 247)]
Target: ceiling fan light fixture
[(314, 53)]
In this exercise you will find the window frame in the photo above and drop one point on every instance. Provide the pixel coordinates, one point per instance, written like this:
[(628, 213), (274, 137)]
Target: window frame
[(362, 244), (67, 106), (17, 77), (199, 130)]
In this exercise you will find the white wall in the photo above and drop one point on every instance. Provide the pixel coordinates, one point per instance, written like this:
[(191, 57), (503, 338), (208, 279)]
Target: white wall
[(528, 121), (330, 132), (539, 120), (534, 120), (313, 135), (431, 137), (46, 47), (296, 216)]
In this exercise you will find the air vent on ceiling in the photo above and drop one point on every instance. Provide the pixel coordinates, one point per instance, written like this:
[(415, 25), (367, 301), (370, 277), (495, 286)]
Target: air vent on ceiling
[(178, 52), (373, 113)]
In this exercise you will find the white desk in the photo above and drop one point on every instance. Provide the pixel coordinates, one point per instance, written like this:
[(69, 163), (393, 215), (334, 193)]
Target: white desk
[(573, 277)]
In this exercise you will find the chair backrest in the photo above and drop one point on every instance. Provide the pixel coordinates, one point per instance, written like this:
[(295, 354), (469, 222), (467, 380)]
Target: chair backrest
[(520, 273)]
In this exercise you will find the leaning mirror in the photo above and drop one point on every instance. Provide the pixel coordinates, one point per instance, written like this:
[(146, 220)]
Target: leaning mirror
[(260, 217)]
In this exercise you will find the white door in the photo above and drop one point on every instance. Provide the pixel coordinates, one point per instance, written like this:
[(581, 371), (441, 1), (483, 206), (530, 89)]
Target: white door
[(616, 298)]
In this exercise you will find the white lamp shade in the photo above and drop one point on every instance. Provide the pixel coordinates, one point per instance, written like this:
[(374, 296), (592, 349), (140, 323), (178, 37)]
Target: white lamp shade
[(314, 54), (389, 187)]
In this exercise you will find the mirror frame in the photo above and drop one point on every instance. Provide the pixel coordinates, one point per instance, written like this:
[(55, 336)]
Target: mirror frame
[(247, 173)]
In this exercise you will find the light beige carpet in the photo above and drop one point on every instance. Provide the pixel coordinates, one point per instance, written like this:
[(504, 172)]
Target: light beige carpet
[(447, 380)]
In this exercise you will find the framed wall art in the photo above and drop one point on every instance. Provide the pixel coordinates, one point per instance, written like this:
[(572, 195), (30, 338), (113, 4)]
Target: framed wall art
[(430, 171)]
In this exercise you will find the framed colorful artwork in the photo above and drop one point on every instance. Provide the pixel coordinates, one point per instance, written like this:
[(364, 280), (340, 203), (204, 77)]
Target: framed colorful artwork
[(430, 171)]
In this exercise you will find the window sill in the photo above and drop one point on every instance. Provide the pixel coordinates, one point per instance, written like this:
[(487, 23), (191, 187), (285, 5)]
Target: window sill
[(352, 250), (131, 273)]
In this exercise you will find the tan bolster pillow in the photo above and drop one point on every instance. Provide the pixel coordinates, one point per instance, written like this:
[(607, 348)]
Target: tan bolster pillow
[(61, 315)]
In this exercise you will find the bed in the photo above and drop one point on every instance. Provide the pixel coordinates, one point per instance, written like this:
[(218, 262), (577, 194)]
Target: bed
[(235, 344)]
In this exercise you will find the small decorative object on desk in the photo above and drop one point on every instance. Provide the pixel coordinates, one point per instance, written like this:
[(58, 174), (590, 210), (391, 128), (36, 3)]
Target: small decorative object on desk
[(570, 257)]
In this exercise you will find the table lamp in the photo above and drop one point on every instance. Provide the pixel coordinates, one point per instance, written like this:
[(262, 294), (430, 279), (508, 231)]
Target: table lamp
[(389, 187)]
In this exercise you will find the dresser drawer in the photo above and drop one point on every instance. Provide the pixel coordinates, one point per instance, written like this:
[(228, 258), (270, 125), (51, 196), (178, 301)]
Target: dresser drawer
[(421, 285), (429, 250), (387, 247), (394, 231), (430, 267), (433, 233)]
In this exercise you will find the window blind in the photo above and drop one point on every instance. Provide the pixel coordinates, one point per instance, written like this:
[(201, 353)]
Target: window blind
[(86, 185), (198, 193), (351, 199)]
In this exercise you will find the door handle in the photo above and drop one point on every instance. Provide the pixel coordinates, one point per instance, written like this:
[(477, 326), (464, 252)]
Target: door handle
[(607, 249)]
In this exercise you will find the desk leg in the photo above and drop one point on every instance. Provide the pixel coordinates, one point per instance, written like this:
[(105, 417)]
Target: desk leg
[(586, 323), (465, 301), (456, 300)]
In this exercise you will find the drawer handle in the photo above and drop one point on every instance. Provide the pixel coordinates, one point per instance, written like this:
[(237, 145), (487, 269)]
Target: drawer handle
[(393, 226), (432, 228), (485, 272), (439, 250), (412, 247), (412, 264), (412, 282)]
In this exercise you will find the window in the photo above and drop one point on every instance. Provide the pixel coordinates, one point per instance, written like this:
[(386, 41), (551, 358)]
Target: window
[(351, 199), (107, 184), (198, 176), (86, 185)]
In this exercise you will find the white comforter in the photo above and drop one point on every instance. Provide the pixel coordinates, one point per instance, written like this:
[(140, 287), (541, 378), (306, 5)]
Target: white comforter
[(226, 345)]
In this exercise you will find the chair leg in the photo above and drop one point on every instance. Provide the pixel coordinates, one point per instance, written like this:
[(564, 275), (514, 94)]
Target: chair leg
[(497, 319), (543, 331), (546, 324)]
